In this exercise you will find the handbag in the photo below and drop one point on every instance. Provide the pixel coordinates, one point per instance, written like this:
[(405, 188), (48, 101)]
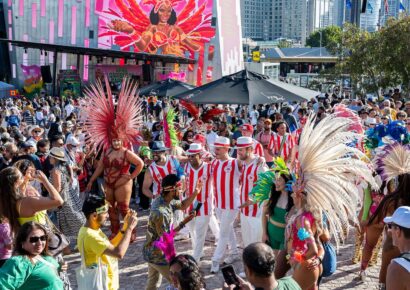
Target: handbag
[(57, 241), (91, 278), (329, 260)]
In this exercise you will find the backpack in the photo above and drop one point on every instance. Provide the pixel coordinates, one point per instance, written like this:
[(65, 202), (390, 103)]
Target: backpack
[(13, 120)]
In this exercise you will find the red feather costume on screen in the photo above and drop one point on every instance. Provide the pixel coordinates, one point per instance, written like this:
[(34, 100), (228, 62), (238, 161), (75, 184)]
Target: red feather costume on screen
[(114, 128), (162, 31)]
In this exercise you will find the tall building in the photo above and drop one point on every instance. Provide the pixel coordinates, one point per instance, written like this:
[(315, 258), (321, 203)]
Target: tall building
[(370, 20), (393, 9), (295, 20), (257, 18)]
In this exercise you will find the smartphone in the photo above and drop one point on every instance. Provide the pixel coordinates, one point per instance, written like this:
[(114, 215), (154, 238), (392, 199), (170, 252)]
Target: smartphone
[(198, 207), (230, 276)]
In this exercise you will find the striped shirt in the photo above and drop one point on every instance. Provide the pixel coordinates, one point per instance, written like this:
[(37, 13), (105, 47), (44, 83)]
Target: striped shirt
[(248, 179), (159, 172), (288, 144), (226, 180), (192, 176), (257, 148)]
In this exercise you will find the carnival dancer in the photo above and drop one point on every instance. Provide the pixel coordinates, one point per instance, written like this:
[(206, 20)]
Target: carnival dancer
[(283, 142), (160, 222), (162, 166), (226, 173), (393, 161), (114, 128), (195, 170), (251, 226), (247, 131), (325, 186)]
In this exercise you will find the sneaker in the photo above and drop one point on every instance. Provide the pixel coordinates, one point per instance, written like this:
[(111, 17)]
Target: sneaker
[(230, 259), (363, 276), (215, 267)]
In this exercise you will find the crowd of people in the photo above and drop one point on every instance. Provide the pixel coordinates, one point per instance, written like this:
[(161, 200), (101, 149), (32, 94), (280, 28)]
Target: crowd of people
[(295, 175)]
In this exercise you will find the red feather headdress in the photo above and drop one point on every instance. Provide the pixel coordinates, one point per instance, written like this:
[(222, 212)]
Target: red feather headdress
[(190, 107), (158, 3), (105, 121), (211, 113)]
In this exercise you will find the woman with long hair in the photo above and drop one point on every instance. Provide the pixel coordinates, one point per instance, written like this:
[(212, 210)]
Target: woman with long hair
[(17, 207), (185, 274), (69, 216), (31, 267), (393, 161), (274, 221)]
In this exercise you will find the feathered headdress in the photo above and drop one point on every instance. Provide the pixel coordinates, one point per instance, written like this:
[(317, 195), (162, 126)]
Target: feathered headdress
[(329, 168), (342, 111), (190, 107), (158, 3), (105, 121), (170, 134), (393, 160), (166, 244), (208, 115)]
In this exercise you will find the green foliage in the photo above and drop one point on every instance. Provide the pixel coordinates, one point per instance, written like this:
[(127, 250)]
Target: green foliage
[(375, 60), (283, 43), (331, 38)]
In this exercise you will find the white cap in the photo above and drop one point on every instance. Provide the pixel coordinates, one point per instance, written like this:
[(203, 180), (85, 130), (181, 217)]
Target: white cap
[(222, 142), (371, 121), (400, 217), (71, 140), (194, 148), (244, 142)]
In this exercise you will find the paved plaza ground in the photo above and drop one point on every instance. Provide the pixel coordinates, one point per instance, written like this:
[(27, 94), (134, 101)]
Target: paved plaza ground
[(133, 269)]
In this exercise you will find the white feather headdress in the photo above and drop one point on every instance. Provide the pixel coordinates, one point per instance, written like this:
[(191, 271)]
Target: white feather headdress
[(330, 168), (393, 160)]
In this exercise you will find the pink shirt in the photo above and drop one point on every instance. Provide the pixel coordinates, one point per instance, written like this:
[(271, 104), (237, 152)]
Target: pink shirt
[(5, 239)]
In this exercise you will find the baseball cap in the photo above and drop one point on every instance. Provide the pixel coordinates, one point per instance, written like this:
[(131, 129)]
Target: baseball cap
[(28, 144), (267, 121), (400, 217)]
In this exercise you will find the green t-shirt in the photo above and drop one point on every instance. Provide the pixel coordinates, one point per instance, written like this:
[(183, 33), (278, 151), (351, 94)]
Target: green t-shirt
[(287, 283), (19, 273)]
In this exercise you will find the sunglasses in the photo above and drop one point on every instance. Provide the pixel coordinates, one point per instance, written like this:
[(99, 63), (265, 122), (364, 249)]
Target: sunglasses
[(34, 240), (37, 132)]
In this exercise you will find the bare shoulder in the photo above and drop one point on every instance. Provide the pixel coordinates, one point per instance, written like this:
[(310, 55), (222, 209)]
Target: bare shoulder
[(396, 270)]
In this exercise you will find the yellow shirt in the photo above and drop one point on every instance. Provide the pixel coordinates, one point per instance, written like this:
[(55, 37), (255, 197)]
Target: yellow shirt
[(95, 242)]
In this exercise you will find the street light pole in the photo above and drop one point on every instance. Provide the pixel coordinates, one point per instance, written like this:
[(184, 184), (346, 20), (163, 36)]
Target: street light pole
[(320, 32)]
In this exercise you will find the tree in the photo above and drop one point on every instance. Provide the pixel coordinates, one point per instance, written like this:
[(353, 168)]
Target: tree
[(285, 43), (331, 37)]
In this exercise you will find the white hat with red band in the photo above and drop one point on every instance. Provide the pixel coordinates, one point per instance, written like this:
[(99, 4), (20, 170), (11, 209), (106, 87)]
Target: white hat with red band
[(194, 148), (244, 142), (222, 142)]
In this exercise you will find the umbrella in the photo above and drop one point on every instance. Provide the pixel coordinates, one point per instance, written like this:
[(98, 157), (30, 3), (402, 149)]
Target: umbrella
[(165, 88), (246, 87)]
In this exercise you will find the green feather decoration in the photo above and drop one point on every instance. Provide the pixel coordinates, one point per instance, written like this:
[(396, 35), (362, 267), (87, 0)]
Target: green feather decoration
[(171, 115), (262, 189), (280, 166)]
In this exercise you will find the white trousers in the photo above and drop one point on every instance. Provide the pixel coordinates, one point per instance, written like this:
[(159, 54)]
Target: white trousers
[(251, 229), (214, 226), (226, 234), (198, 228)]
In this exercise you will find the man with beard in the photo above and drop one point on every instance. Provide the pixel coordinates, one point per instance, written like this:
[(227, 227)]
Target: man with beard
[(162, 166), (226, 173), (159, 222), (251, 226), (196, 169), (94, 246), (247, 131)]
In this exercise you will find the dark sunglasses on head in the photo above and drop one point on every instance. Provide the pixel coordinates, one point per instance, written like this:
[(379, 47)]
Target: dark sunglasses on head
[(34, 240)]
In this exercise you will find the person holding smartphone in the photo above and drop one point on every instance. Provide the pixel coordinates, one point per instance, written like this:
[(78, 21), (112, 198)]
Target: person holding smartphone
[(259, 263)]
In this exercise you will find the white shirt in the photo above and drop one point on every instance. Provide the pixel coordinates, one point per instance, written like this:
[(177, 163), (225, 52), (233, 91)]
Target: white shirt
[(211, 138), (254, 115), (68, 109)]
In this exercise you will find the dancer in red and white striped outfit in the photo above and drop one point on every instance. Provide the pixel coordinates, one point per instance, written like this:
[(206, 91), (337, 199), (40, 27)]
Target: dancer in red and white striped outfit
[(226, 173), (251, 226), (195, 170), (162, 166), (247, 131)]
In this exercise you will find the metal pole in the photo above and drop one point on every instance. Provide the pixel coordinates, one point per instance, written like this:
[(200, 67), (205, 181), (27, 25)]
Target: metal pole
[(320, 32), (54, 72)]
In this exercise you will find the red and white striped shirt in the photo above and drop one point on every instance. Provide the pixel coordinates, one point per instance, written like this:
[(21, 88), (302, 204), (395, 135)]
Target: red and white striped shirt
[(288, 144), (249, 177), (192, 176), (159, 172), (257, 148), (226, 180)]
